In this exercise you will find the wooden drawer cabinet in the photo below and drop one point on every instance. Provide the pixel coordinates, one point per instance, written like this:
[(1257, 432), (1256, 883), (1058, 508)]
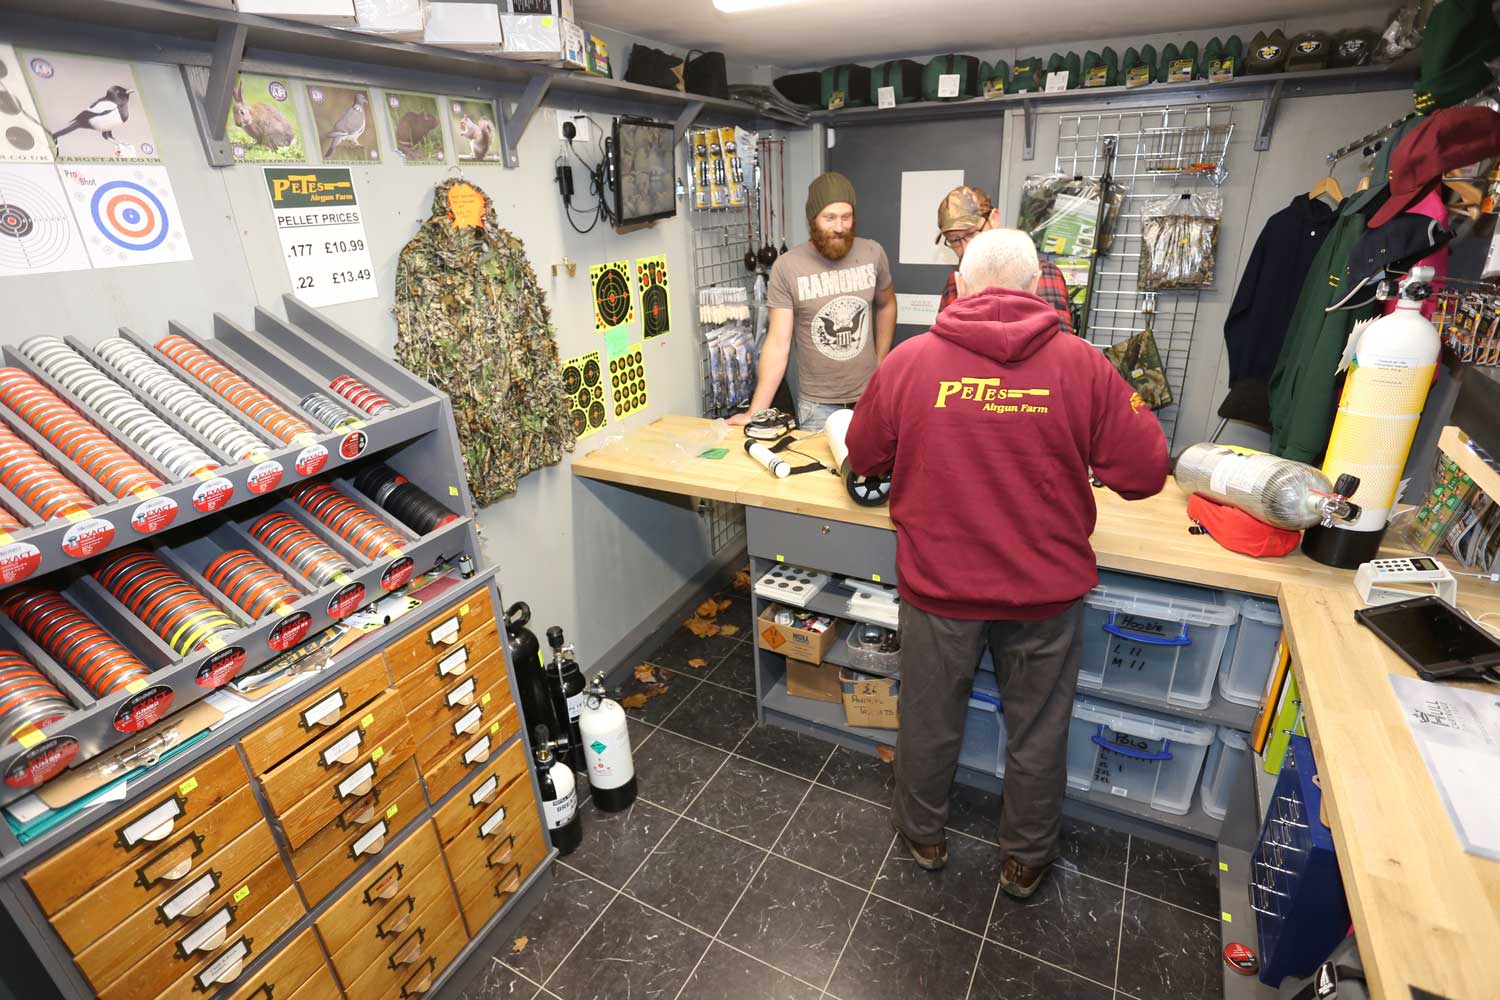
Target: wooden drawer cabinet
[(298, 964), (155, 969), (135, 833), (441, 633), (318, 713), (455, 697), (482, 890), (334, 754), (471, 753), (217, 879), (302, 820), (320, 987), (361, 846), (399, 918), (463, 725), (374, 894), (153, 876), (358, 816), (490, 786), (417, 957), (500, 827), (258, 936), (449, 665)]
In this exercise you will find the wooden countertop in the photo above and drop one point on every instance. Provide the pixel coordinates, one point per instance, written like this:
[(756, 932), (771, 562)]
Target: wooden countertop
[(1426, 912)]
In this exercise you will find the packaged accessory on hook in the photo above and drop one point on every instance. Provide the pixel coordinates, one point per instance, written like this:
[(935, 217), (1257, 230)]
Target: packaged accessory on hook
[(1061, 212), (1138, 359), (1179, 242)]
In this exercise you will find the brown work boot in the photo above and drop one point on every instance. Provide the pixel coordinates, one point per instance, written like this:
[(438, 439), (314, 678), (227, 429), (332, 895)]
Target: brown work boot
[(930, 857), (1019, 881)]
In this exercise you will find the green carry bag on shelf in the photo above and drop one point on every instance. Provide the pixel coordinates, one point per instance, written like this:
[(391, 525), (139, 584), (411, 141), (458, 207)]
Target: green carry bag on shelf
[(1025, 76), (1181, 65), (850, 80), (966, 68), (1070, 64), (1235, 49), (904, 76), (1101, 69), (1214, 65), (994, 78), (1169, 54)]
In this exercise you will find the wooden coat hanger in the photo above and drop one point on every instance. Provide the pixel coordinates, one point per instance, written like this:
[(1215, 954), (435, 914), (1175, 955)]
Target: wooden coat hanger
[(1327, 186)]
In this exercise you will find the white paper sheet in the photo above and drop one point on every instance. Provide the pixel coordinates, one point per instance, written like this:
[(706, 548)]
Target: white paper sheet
[(1458, 734), (921, 193), (917, 310)]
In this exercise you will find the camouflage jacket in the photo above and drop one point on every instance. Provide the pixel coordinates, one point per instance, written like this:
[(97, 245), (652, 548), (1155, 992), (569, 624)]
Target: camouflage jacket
[(471, 320)]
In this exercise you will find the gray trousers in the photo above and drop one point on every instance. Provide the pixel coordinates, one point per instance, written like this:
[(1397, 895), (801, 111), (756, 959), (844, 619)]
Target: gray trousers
[(1036, 664)]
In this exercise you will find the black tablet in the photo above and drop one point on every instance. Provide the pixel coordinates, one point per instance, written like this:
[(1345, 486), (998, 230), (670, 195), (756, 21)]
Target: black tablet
[(1437, 639)]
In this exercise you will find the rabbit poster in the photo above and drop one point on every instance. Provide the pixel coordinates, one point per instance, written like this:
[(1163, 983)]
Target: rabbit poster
[(263, 122), (474, 133), (418, 129), (345, 121), (91, 108)]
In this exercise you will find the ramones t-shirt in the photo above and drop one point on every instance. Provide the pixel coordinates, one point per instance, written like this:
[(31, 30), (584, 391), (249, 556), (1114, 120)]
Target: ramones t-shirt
[(833, 327)]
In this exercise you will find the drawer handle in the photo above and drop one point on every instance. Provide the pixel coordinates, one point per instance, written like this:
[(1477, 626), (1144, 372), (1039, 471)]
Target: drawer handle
[(1163, 754), (343, 752), (511, 884), (358, 783), (454, 663), (209, 935), (401, 922), (224, 969), (492, 824), (1121, 632), (461, 695), (172, 864), (372, 842), (409, 950), (326, 712), (419, 983), (386, 886), (470, 722), (265, 991), (485, 792), (446, 633), (501, 855), (198, 895), (359, 812), (153, 827)]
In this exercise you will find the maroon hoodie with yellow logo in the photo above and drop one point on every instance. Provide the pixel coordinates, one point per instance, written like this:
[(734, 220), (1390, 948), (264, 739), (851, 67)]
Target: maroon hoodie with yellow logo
[(989, 425)]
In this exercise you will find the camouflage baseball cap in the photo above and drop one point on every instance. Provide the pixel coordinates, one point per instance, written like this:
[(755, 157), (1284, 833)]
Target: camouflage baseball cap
[(964, 208)]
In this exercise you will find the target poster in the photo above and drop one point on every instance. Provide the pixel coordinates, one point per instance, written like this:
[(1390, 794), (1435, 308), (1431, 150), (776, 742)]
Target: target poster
[(37, 233), (417, 127), (614, 306), (91, 108), (322, 234), (126, 213), (651, 278), (22, 138), (583, 384), (627, 381), (345, 121)]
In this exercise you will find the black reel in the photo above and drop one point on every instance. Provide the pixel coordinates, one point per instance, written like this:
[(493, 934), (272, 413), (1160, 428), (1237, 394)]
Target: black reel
[(770, 425), (868, 491)]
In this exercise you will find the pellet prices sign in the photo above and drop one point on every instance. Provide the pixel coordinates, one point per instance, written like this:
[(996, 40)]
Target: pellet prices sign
[(322, 234)]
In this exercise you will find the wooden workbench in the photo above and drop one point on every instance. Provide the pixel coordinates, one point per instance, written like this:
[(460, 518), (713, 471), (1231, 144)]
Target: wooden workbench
[(1427, 913)]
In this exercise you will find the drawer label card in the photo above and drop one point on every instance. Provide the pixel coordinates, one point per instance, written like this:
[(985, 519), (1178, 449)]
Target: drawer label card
[(342, 747), (192, 894), (290, 631), (212, 494), (143, 709), (484, 791), (372, 836), (479, 751), (454, 662), (492, 824), (469, 720), (162, 815), (444, 633), (85, 538), (332, 705), (348, 785), (458, 694), (231, 960), (207, 931)]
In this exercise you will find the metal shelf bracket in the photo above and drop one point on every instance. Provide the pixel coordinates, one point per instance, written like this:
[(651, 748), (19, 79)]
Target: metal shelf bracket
[(1028, 131), (685, 120), (210, 89), (513, 122), (1268, 111)]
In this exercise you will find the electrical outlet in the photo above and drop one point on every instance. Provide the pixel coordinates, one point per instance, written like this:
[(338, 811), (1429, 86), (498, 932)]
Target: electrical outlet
[(583, 129)]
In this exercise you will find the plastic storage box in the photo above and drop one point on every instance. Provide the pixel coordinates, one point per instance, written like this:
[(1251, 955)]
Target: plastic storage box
[(1154, 640), (984, 728), (1226, 758), (1136, 754), (1242, 680)]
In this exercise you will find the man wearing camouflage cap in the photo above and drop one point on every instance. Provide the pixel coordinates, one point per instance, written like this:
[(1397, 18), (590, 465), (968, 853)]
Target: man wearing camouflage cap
[(965, 213)]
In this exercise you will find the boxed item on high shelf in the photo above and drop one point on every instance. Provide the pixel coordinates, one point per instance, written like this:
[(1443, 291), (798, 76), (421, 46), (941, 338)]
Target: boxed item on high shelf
[(798, 635), (532, 36), (871, 702), (557, 8), (574, 46), (820, 682), (596, 55), (314, 11), (405, 20), (473, 27)]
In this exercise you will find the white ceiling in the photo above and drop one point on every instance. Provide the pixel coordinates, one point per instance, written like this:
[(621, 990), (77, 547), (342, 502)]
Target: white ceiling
[(820, 32)]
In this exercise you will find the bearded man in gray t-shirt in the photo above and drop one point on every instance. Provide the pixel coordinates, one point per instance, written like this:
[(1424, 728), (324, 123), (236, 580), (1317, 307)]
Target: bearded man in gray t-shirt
[(831, 298)]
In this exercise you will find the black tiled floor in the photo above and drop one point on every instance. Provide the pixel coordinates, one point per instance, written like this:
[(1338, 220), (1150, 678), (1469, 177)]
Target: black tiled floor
[(859, 774), (1096, 851), (614, 844), (670, 770), (737, 670), (1073, 921), (749, 801), (682, 646), (495, 981), (725, 974), (1168, 952), (795, 919), (1013, 976), (1176, 876), (551, 930), (960, 894), (696, 875), (785, 750), (899, 954), (738, 612), (713, 715), (680, 684), (631, 952), (838, 835)]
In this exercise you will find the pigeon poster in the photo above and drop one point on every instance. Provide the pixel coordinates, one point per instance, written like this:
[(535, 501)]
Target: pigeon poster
[(345, 122), (126, 213), (91, 108), (417, 127), (22, 137), (475, 135), (263, 123)]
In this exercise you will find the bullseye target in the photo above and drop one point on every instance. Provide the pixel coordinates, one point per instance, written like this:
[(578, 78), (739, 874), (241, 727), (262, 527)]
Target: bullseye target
[(614, 306), (585, 391), (129, 216), (651, 276), (627, 381), (37, 233)]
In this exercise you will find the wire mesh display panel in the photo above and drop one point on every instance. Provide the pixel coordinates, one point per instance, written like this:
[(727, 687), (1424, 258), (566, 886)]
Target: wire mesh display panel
[(1159, 151)]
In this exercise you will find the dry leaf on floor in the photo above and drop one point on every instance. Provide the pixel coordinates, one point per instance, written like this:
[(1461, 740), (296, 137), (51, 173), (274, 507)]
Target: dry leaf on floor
[(886, 754), (729, 629), (519, 944), (655, 689), (697, 663), (645, 672), (701, 627), (742, 580), (708, 608), (633, 701), (724, 605)]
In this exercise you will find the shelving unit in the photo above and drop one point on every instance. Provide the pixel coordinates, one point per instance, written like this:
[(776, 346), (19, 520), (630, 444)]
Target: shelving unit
[(1457, 445)]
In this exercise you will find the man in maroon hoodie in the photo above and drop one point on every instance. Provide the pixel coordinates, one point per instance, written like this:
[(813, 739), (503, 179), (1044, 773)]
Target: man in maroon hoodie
[(988, 425)]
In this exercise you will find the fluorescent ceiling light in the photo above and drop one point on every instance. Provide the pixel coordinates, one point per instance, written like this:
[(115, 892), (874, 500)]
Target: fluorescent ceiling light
[(749, 6)]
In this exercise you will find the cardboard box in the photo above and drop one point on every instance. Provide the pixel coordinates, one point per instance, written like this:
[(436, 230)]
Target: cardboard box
[(820, 683), (313, 11), (473, 27), (597, 55), (574, 46), (792, 642), (869, 701), (557, 8), (403, 20), (532, 36)]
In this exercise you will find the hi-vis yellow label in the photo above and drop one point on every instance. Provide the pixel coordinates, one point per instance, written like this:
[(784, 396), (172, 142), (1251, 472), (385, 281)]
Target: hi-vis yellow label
[(989, 392), (187, 786), (241, 893)]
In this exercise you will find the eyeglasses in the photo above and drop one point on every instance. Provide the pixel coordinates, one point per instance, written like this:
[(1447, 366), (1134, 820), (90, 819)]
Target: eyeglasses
[(954, 242)]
